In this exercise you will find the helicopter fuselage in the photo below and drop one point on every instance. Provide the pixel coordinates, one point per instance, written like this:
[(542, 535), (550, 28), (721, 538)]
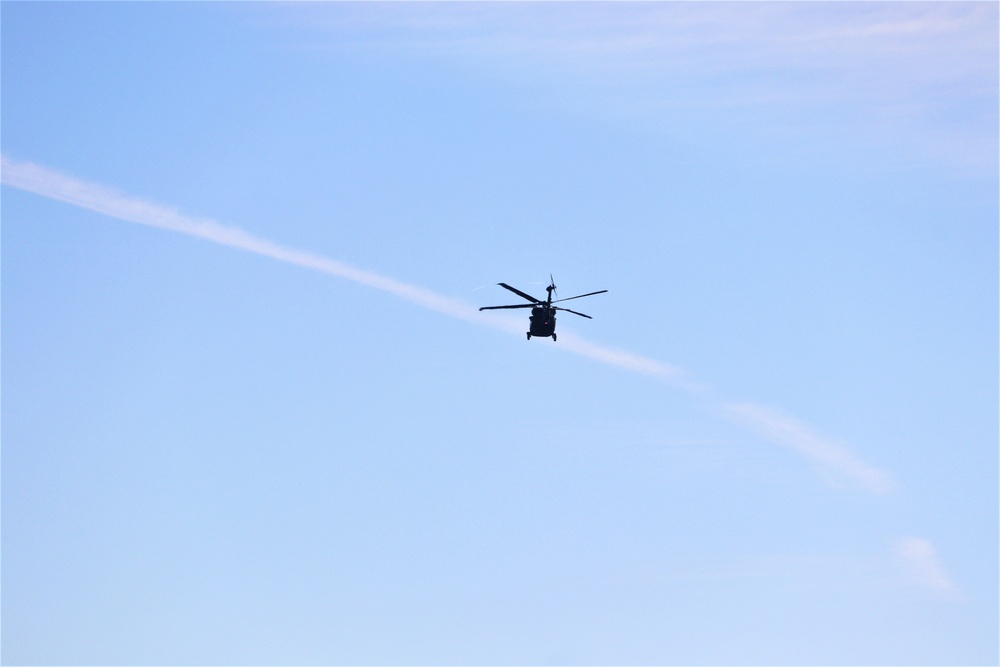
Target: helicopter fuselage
[(542, 323)]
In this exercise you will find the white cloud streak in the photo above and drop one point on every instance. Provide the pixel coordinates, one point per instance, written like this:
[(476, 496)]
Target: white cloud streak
[(799, 437), (61, 187), (923, 567), (54, 185), (768, 423)]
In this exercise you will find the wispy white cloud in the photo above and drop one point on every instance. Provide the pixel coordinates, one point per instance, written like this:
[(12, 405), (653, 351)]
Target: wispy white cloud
[(823, 451), (768, 423), (889, 69), (923, 567), (665, 35)]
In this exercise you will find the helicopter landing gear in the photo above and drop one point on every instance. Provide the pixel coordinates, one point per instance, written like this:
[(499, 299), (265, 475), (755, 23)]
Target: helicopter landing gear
[(529, 335), (553, 338)]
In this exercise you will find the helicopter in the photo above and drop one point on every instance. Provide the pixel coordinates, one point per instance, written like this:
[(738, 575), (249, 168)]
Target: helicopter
[(543, 315)]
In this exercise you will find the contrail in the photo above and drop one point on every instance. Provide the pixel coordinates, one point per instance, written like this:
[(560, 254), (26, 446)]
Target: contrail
[(786, 431), (61, 187), (923, 567), (54, 185), (776, 428)]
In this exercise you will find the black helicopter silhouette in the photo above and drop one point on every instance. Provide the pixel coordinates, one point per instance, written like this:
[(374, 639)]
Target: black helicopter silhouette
[(543, 315)]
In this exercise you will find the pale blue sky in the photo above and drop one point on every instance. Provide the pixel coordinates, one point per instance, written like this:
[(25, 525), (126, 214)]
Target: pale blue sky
[(267, 424)]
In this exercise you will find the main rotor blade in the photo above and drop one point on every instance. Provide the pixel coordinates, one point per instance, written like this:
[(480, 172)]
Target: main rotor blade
[(520, 305), (580, 296), (519, 293), (572, 311)]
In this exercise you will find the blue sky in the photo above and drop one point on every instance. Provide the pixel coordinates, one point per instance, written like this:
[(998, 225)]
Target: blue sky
[(252, 414)]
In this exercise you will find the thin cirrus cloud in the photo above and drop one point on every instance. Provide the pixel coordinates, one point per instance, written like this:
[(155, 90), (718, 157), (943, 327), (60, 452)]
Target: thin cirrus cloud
[(769, 424), (662, 37), (880, 70)]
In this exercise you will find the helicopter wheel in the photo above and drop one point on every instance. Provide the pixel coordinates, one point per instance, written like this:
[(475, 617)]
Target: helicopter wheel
[(529, 335), (553, 338)]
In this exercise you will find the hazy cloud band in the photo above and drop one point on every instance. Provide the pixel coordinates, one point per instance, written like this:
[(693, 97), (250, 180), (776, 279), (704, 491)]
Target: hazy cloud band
[(771, 425)]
